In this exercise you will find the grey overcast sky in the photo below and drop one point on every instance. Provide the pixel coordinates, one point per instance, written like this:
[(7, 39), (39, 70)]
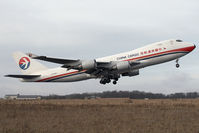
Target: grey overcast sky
[(87, 29)]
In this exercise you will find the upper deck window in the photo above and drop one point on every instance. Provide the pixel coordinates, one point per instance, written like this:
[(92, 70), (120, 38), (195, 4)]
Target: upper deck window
[(179, 41)]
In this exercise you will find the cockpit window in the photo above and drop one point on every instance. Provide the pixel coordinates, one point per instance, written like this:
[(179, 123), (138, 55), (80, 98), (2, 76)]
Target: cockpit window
[(179, 41)]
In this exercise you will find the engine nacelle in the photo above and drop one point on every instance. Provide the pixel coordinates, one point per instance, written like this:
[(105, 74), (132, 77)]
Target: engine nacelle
[(131, 73), (88, 64), (123, 66)]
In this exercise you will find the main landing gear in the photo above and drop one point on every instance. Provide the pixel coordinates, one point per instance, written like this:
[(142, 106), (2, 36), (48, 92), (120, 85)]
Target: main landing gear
[(108, 80), (105, 80), (177, 64)]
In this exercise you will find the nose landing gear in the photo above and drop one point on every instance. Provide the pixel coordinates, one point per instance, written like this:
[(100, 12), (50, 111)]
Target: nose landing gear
[(177, 65)]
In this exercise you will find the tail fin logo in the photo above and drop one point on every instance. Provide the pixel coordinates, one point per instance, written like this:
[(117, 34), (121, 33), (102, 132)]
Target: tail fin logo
[(24, 63)]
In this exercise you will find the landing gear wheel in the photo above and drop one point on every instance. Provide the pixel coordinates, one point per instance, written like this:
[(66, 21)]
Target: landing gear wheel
[(177, 65), (108, 81), (114, 82), (105, 80), (102, 82)]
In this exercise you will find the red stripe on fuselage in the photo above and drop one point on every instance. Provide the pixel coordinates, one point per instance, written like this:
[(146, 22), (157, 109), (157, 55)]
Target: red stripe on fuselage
[(186, 49), (65, 74)]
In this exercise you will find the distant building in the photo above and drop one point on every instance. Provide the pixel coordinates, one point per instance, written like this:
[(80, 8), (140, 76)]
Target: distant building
[(146, 98), (92, 97), (10, 97), (22, 97)]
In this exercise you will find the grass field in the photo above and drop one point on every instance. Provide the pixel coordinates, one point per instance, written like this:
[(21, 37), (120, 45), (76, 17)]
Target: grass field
[(99, 116)]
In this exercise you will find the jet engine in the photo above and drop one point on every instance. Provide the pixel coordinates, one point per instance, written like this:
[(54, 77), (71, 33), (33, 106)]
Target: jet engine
[(87, 64), (123, 66)]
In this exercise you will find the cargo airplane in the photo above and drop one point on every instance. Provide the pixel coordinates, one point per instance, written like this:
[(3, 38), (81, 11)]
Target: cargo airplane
[(107, 69)]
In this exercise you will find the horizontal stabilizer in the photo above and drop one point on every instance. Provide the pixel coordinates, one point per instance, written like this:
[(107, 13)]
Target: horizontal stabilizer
[(23, 76)]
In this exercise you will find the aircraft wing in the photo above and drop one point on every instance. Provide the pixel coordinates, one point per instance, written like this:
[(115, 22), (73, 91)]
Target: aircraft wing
[(68, 63), (97, 68)]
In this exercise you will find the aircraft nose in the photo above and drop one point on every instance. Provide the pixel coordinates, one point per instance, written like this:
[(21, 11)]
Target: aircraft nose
[(192, 47)]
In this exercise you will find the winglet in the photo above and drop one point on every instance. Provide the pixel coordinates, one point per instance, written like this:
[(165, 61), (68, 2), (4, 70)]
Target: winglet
[(31, 55)]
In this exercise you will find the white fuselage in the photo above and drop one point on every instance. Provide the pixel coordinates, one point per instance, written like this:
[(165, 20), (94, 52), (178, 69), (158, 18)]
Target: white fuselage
[(152, 54)]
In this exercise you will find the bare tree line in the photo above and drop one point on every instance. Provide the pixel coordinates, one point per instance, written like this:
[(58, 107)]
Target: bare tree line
[(125, 94)]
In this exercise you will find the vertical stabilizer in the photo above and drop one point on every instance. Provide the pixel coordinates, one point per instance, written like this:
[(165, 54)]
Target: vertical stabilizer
[(26, 64)]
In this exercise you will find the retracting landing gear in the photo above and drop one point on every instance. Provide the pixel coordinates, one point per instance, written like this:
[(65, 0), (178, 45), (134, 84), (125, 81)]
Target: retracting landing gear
[(105, 80), (177, 64)]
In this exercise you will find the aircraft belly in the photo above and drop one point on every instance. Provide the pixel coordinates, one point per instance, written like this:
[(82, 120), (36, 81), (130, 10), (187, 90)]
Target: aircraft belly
[(158, 60)]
